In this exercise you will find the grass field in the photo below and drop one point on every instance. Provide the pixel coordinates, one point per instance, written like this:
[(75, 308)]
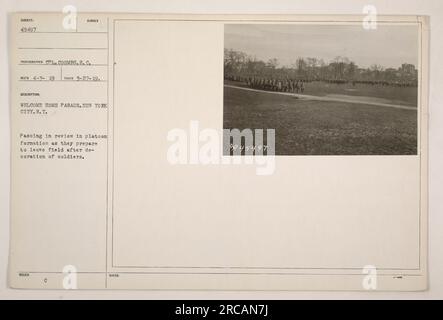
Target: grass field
[(389, 94), (308, 127), (396, 95)]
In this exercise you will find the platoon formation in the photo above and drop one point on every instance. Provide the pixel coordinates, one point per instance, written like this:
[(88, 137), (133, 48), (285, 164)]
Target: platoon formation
[(282, 85), (271, 84), (299, 85)]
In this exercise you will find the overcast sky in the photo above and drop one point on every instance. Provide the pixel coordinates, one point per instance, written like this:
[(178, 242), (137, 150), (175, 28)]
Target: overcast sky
[(388, 45)]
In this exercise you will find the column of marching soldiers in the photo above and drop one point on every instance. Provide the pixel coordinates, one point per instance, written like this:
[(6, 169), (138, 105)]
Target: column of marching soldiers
[(298, 86), (282, 85)]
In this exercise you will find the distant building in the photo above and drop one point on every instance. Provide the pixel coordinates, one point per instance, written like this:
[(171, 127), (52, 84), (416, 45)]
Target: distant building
[(408, 69)]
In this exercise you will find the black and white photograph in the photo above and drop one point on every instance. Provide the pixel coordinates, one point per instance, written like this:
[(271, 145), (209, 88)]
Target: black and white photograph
[(324, 89)]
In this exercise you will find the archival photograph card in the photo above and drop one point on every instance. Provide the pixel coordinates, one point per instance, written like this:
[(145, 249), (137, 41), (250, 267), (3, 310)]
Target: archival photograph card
[(218, 152)]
